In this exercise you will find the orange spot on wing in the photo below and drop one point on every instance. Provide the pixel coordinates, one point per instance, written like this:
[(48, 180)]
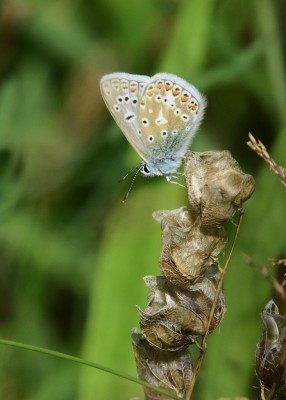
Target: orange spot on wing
[(193, 107), (115, 83), (168, 85), (176, 92), (124, 84), (150, 92), (185, 98), (159, 84), (133, 87)]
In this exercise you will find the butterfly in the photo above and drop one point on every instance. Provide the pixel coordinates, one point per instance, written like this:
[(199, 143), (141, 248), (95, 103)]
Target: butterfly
[(158, 115)]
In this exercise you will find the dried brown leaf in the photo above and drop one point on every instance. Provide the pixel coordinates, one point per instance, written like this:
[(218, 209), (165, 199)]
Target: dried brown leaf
[(188, 247)]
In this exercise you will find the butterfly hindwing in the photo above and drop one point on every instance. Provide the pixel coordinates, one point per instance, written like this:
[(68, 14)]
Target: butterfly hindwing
[(170, 111)]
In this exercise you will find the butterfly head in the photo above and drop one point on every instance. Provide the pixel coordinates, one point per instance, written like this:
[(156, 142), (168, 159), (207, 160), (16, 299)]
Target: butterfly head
[(145, 170), (164, 167)]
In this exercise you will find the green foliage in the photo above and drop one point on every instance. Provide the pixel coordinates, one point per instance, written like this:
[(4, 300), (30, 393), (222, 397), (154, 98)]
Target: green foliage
[(72, 256)]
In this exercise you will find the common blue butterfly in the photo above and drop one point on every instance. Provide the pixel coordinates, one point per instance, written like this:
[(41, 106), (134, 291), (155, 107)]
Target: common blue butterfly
[(158, 115)]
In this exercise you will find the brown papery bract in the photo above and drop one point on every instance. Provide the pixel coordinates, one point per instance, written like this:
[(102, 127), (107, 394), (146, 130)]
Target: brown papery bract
[(185, 242), (171, 371), (216, 186)]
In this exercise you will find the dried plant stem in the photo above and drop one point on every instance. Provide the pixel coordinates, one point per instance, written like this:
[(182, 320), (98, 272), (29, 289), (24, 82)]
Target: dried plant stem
[(219, 287), (280, 290)]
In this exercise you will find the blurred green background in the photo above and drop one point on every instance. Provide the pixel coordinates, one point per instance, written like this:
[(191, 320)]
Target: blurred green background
[(72, 256)]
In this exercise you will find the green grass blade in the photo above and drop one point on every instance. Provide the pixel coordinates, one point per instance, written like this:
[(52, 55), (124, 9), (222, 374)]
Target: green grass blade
[(78, 360)]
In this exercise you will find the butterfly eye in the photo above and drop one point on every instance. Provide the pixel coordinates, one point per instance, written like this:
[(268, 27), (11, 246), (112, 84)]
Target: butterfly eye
[(150, 138), (119, 99), (134, 100), (126, 99), (116, 108), (164, 133), (158, 98), (145, 169), (177, 111)]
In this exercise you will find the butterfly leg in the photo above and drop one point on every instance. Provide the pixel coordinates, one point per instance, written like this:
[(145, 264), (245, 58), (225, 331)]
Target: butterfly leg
[(180, 173), (170, 177)]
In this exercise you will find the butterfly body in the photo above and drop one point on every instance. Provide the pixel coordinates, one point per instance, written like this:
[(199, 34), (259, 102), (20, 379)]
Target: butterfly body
[(158, 115)]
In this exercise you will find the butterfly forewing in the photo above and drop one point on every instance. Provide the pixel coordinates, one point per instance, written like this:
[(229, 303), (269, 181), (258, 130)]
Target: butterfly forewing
[(122, 94)]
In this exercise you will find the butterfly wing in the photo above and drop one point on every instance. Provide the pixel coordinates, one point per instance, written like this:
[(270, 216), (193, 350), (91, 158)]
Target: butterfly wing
[(122, 94), (170, 112)]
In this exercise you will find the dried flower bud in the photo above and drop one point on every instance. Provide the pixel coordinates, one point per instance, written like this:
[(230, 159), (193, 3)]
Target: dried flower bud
[(216, 185), (271, 351), (174, 317), (170, 371), (188, 248)]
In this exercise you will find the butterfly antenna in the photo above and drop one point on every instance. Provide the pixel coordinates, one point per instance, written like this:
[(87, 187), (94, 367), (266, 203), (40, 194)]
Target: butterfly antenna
[(132, 182), (125, 176)]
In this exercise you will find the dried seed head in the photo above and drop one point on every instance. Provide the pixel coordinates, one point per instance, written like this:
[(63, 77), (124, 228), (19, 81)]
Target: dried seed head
[(185, 303), (271, 351), (170, 371), (188, 247), (174, 317), (216, 185)]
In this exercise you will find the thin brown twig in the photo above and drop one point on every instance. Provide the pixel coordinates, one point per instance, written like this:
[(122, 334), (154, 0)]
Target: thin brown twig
[(280, 290), (261, 150), (219, 287)]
